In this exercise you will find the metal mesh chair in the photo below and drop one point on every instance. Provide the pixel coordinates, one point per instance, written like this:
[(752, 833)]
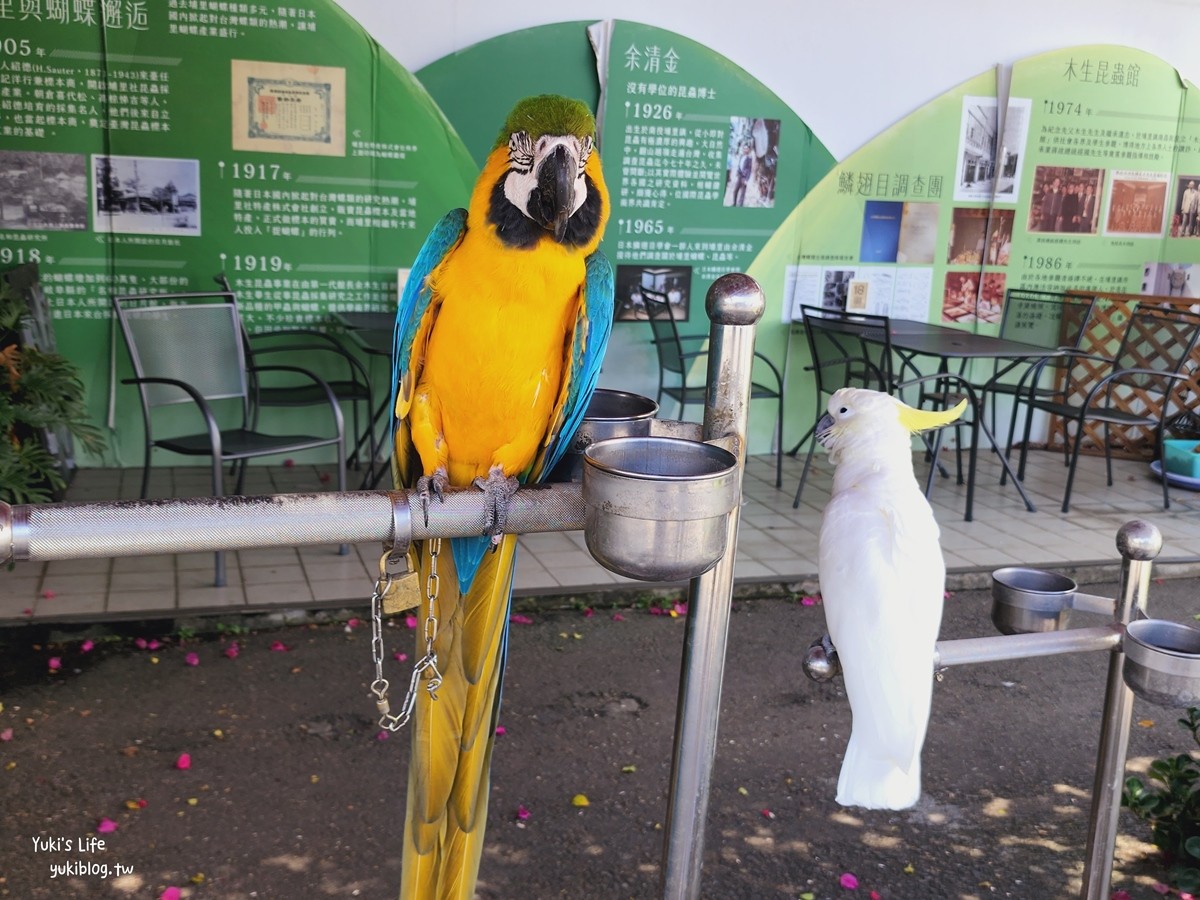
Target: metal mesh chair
[(1148, 366), (189, 348), (675, 361)]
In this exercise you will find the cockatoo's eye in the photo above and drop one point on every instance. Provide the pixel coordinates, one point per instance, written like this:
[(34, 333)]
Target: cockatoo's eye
[(843, 410)]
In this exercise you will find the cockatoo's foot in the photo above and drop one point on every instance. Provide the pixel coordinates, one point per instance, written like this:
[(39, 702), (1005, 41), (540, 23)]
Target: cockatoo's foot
[(499, 490), (432, 486)]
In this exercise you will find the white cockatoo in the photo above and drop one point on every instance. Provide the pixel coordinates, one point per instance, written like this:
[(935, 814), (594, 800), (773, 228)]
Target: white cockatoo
[(882, 585)]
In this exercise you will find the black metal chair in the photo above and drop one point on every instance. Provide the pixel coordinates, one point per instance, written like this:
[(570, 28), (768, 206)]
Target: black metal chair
[(190, 348), (1154, 348), (351, 385), (855, 350), (1055, 321), (676, 362)]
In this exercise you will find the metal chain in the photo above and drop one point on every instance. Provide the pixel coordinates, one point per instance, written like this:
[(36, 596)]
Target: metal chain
[(428, 662)]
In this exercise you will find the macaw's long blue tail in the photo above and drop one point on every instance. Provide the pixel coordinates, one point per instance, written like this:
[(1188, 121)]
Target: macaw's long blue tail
[(448, 776)]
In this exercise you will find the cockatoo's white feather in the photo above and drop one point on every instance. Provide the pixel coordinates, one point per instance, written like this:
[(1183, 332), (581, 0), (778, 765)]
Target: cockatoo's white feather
[(882, 584)]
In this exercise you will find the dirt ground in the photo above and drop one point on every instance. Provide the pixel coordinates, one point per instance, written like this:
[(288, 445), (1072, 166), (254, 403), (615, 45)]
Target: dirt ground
[(291, 793)]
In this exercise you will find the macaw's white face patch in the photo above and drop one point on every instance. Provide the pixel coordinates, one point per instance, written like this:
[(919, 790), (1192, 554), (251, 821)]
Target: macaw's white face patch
[(526, 162)]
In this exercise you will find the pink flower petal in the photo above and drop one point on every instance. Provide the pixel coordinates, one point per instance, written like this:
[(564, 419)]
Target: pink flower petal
[(184, 761), (809, 601), (617, 617), (875, 895), (411, 622), (518, 619), (192, 659), (232, 650), (6, 734), (588, 613), (106, 826), (400, 657), (679, 608), (848, 881), (1121, 895), (382, 736), (55, 663), (500, 731), (354, 623), (523, 812), (280, 647), (1159, 888), (153, 645), (171, 893), (140, 643), (48, 594), (86, 646), (655, 611), (767, 814)]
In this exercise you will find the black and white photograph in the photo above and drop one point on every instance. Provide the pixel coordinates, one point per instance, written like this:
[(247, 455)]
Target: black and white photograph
[(1014, 133), (43, 191), (146, 195), (1185, 213), (673, 282), (751, 162), (977, 134), (1171, 279)]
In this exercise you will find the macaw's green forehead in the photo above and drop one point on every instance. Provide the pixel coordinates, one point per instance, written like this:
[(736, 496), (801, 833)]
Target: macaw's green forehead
[(548, 114)]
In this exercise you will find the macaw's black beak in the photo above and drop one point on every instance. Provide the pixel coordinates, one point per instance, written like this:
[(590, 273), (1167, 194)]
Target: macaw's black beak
[(553, 200)]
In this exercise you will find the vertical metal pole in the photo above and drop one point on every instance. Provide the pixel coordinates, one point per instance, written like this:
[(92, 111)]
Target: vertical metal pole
[(1138, 543), (734, 304)]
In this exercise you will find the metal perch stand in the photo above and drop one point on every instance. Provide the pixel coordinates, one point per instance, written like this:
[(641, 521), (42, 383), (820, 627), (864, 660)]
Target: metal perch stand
[(691, 489), (688, 481)]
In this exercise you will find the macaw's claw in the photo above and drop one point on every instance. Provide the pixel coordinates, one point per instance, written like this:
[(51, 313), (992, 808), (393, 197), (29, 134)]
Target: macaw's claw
[(434, 485), (499, 490)]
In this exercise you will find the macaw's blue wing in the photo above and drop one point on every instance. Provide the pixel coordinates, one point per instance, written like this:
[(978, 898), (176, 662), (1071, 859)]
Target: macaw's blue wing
[(413, 320), (591, 340)]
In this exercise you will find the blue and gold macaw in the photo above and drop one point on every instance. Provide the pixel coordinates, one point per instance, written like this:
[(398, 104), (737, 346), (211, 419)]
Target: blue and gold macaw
[(498, 343)]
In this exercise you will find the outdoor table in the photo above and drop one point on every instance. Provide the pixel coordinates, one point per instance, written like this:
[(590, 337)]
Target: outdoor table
[(910, 339)]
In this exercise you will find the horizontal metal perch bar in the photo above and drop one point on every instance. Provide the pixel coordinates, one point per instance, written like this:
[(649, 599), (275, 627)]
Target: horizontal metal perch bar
[(140, 527), (1023, 646)]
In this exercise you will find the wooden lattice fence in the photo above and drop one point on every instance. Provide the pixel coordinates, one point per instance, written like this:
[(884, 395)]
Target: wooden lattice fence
[(1105, 329)]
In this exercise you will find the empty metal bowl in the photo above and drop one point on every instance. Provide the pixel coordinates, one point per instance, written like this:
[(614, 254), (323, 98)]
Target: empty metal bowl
[(1028, 601), (609, 414), (1162, 662), (656, 507)]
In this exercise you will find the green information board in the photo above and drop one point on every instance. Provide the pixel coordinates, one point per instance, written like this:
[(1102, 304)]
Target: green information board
[(147, 147)]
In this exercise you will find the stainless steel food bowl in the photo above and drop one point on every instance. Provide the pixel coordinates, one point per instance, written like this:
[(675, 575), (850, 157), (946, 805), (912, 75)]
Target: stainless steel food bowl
[(657, 506), (1027, 601), (1162, 662), (610, 414)]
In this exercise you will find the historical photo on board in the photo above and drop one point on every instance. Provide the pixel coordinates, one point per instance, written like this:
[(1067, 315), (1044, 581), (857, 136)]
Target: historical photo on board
[(287, 108), (1066, 199), (1137, 204), (43, 191), (976, 149), (1014, 133), (673, 283), (980, 236), (1185, 214), (1171, 279), (146, 195), (752, 159)]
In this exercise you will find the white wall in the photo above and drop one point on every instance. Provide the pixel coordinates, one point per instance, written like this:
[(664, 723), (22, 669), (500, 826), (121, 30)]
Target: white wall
[(849, 69)]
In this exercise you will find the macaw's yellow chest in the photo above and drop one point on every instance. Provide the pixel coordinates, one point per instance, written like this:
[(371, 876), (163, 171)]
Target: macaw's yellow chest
[(498, 353)]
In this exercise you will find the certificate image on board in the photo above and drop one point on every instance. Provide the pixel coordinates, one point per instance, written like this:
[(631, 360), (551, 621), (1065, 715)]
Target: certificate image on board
[(286, 108), (1137, 204)]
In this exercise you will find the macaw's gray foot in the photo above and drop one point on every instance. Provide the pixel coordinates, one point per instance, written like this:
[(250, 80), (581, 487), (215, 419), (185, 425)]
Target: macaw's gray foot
[(499, 490), (429, 486)]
